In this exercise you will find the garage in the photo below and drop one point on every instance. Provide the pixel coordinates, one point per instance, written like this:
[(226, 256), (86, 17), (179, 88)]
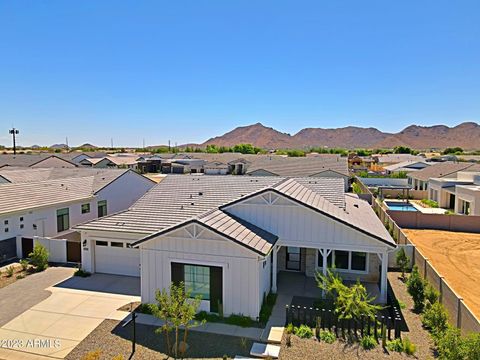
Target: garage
[(8, 249), (114, 257)]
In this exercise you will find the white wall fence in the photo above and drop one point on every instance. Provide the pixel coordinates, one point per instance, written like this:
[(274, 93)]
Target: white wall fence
[(57, 248), (384, 181)]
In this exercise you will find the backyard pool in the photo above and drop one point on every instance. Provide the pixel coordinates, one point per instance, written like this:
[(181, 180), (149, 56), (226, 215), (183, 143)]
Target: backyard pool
[(400, 206)]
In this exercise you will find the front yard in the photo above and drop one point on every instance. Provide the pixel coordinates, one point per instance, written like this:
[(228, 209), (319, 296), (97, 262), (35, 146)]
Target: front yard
[(12, 273), (111, 339)]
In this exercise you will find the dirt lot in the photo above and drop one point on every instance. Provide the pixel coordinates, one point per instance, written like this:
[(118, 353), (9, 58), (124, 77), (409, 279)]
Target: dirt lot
[(456, 256)]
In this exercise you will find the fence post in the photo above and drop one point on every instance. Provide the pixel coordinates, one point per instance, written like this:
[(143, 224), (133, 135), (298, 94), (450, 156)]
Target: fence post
[(287, 315), (459, 313), (389, 328), (375, 328), (396, 326)]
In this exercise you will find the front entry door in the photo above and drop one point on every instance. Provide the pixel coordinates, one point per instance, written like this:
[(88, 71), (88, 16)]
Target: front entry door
[(294, 258)]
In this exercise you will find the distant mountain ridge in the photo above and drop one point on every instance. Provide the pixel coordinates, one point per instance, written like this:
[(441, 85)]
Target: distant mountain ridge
[(465, 135)]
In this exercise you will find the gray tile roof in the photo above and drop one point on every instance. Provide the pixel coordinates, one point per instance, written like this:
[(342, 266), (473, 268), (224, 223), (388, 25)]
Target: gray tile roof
[(101, 177), (25, 160), (440, 170), (25, 196), (179, 199)]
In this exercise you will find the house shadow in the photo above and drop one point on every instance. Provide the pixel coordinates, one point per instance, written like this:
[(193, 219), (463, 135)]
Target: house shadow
[(113, 284)]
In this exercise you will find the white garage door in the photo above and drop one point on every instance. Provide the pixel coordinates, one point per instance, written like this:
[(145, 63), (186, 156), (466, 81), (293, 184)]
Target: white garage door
[(115, 258)]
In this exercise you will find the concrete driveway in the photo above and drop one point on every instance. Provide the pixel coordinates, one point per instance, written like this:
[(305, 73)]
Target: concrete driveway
[(76, 306)]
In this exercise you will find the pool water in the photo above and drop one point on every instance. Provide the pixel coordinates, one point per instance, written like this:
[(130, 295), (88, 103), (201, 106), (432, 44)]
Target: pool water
[(400, 206)]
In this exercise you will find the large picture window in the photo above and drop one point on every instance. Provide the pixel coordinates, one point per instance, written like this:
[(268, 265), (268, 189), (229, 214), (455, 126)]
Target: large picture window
[(345, 260), (63, 220), (197, 280)]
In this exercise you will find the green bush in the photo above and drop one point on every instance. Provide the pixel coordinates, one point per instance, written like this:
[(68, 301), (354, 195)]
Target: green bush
[(327, 336), (39, 257), (395, 345), (267, 307), (208, 317), (470, 348), (239, 320), (24, 263), (290, 328), (431, 295), (81, 273), (304, 332), (146, 308), (403, 262), (449, 344), (430, 203), (10, 270), (368, 342), (409, 348), (416, 288), (435, 318)]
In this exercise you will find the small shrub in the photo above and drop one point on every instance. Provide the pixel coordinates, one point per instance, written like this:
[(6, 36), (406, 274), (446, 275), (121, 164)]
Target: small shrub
[(327, 336), (81, 273), (409, 348), (401, 304), (267, 307), (430, 203), (39, 257), (368, 342), (290, 328), (24, 263), (416, 288), (146, 308), (208, 317), (20, 276), (471, 346), (9, 271), (92, 355), (395, 345), (449, 344), (304, 332), (288, 339), (435, 318), (239, 320), (431, 295)]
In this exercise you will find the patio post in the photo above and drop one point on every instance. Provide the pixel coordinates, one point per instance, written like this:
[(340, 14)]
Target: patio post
[(383, 280), (274, 270)]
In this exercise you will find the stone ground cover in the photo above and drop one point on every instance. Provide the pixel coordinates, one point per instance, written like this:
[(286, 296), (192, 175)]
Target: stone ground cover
[(312, 349), (112, 340)]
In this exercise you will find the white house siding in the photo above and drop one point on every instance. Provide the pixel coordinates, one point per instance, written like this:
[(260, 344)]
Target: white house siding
[(45, 220), (241, 278), (264, 272), (296, 225), (53, 162), (124, 191), (470, 195)]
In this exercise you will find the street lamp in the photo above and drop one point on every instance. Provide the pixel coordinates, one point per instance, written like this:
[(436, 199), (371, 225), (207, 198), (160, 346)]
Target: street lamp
[(14, 132)]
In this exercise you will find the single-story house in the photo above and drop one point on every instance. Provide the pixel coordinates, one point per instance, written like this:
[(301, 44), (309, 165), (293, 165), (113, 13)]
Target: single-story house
[(418, 180), (460, 193), (35, 161), (49, 208), (228, 237), (406, 166)]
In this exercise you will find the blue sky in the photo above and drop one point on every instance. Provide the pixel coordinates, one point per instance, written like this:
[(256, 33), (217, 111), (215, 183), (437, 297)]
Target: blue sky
[(188, 70)]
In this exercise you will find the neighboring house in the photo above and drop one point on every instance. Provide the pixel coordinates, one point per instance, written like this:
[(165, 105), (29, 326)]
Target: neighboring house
[(460, 193), (35, 161), (77, 157), (388, 159), (418, 180), (49, 208), (111, 162), (215, 168), (227, 237), (406, 166)]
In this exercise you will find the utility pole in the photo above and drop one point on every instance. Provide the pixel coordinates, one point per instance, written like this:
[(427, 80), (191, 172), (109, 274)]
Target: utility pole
[(168, 145), (111, 142), (66, 143), (14, 132)]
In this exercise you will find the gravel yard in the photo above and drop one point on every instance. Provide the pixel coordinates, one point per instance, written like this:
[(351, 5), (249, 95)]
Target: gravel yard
[(311, 349), (112, 340)]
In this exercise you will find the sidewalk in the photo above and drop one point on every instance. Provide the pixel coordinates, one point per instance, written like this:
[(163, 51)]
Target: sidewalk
[(214, 328), (278, 317)]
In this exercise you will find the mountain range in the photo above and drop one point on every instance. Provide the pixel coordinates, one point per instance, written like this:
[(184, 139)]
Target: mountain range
[(465, 135)]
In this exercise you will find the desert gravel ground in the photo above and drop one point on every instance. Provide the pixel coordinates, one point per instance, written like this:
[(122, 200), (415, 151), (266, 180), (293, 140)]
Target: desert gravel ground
[(112, 340), (311, 349)]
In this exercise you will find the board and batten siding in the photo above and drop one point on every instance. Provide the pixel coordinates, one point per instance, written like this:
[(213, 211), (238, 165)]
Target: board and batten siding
[(297, 225), (241, 278)]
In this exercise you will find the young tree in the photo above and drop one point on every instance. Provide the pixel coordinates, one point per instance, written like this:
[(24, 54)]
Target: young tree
[(350, 302), (403, 262), (416, 288), (177, 309)]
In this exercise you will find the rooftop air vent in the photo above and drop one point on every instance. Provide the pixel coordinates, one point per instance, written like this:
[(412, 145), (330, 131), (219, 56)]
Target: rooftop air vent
[(200, 193), (355, 205), (192, 204)]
